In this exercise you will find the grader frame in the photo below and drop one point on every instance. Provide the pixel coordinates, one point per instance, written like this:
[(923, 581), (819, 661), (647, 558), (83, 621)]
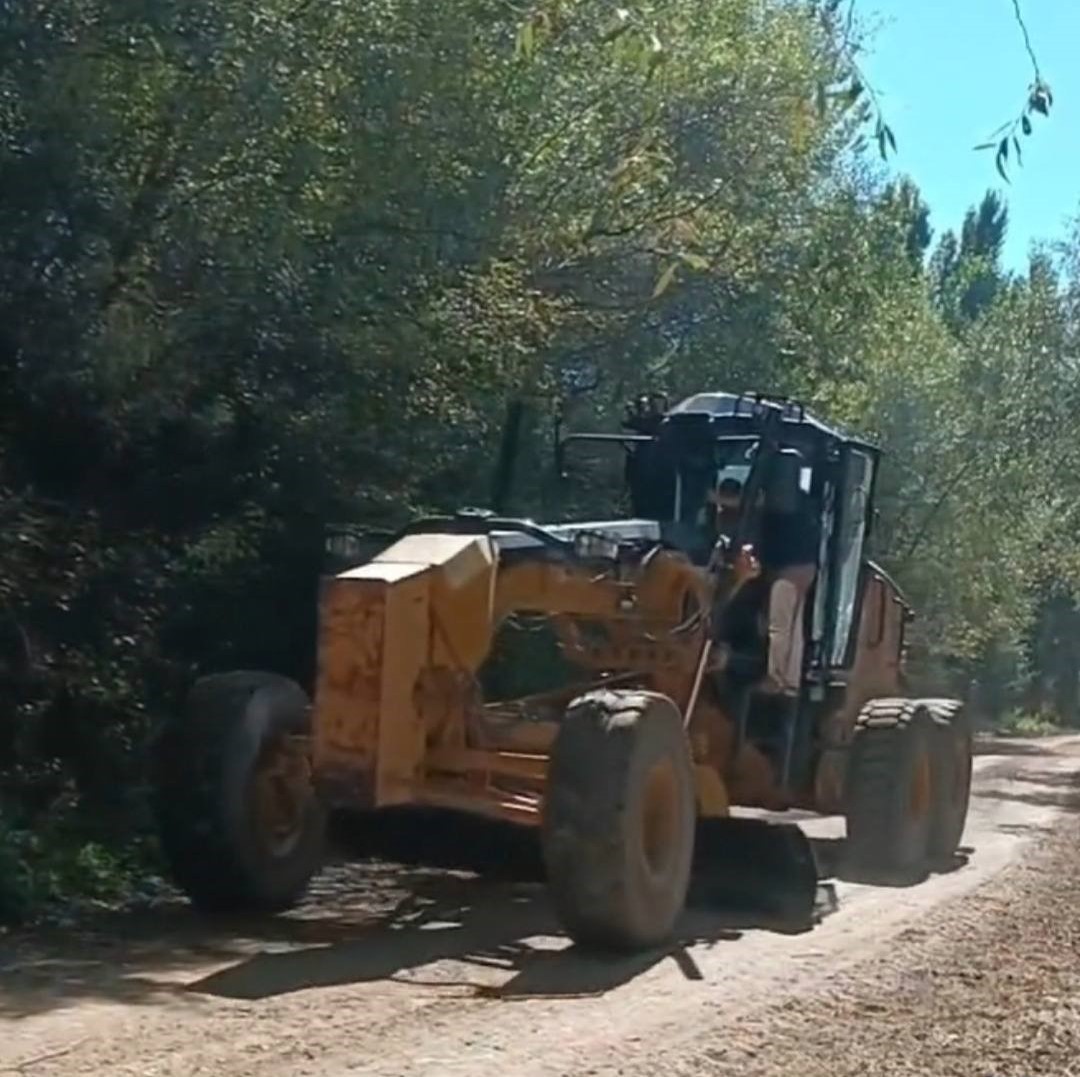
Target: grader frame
[(666, 722)]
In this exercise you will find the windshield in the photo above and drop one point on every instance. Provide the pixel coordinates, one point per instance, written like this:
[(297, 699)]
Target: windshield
[(722, 478), (701, 470)]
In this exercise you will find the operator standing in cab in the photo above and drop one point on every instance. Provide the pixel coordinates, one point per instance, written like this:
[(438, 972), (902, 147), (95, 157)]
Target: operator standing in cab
[(790, 540), (726, 498), (720, 516)]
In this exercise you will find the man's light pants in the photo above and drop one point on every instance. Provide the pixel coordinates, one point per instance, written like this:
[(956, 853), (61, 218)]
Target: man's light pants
[(787, 601)]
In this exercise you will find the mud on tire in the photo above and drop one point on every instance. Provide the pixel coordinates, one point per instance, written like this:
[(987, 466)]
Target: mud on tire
[(952, 777), (217, 767), (619, 819), (889, 793)]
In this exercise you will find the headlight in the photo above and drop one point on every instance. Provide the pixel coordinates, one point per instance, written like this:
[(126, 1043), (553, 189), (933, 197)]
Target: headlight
[(594, 546)]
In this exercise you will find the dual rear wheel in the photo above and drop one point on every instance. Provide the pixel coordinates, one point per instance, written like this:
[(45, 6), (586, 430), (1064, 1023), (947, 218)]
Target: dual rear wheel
[(908, 788)]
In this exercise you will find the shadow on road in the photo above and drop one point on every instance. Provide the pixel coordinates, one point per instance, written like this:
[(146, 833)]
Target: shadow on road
[(1049, 779), (989, 744), (831, 857), (1064, 801), (1026, 829), (455, 903), (1039, 788), (494, 936), (498, 942)]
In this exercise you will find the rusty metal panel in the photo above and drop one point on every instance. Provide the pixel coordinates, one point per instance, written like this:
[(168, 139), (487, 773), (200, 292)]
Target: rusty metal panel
[(357, 645), (401, 730)]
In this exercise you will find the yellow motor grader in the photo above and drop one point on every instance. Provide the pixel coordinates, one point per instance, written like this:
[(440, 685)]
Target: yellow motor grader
[(667, 718)]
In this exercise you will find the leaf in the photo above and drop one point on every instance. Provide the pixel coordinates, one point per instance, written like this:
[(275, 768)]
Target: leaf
[(526, 39), (622, 24), (1042, 93), (1002, 157), (885, 139), (619, 172), (1019, 154), (986, 146), (1025, 124), (695, 261), (1040, 99), (665, 280), (656, 52)]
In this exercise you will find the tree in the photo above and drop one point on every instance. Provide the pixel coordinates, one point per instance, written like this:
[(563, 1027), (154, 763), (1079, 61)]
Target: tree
[(983, 233), (967, 272), (265, 269)]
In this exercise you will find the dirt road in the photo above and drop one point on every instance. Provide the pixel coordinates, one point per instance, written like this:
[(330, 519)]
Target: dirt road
[(403, 971)]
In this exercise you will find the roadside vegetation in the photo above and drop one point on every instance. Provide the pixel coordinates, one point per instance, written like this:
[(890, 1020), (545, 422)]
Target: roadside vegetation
[(264, 267)]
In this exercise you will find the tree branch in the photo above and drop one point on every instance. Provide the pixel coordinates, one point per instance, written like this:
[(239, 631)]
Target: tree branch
[(1027, 39)]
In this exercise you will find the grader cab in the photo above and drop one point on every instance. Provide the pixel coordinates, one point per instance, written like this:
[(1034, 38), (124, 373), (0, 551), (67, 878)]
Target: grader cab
[(668, 716)]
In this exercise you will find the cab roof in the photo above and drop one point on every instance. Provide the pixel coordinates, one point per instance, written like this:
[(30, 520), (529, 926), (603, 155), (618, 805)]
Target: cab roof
[(734, 412)]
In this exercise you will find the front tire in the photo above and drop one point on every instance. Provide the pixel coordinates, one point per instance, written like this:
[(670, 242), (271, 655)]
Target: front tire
[(239, 823), (619, 820)]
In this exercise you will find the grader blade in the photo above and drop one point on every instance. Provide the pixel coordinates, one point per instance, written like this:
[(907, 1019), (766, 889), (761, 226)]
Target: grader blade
[(760, 869)]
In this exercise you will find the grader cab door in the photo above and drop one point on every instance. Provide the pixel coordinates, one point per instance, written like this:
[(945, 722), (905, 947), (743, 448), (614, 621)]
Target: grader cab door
[(845, 543)]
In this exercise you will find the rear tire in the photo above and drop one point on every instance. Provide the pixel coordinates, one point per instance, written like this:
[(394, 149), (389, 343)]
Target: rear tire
[(238, 820), (619, 820), (890, 783), (952, 778)]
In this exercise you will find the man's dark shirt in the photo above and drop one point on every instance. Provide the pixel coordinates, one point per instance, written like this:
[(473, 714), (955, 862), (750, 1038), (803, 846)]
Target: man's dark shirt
[(791, 538)]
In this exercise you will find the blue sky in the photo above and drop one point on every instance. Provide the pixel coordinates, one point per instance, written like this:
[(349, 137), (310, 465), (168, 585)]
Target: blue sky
[(948, 73)]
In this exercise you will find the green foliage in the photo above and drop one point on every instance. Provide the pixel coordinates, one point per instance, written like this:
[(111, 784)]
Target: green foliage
[(47, 868), (1023, 724), (848, 43), (1040, 100), (263, 268)]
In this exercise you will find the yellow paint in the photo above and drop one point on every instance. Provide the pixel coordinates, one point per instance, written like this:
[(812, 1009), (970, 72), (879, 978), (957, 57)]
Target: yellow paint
[(401, 734), (402, 637), (712, 794)]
